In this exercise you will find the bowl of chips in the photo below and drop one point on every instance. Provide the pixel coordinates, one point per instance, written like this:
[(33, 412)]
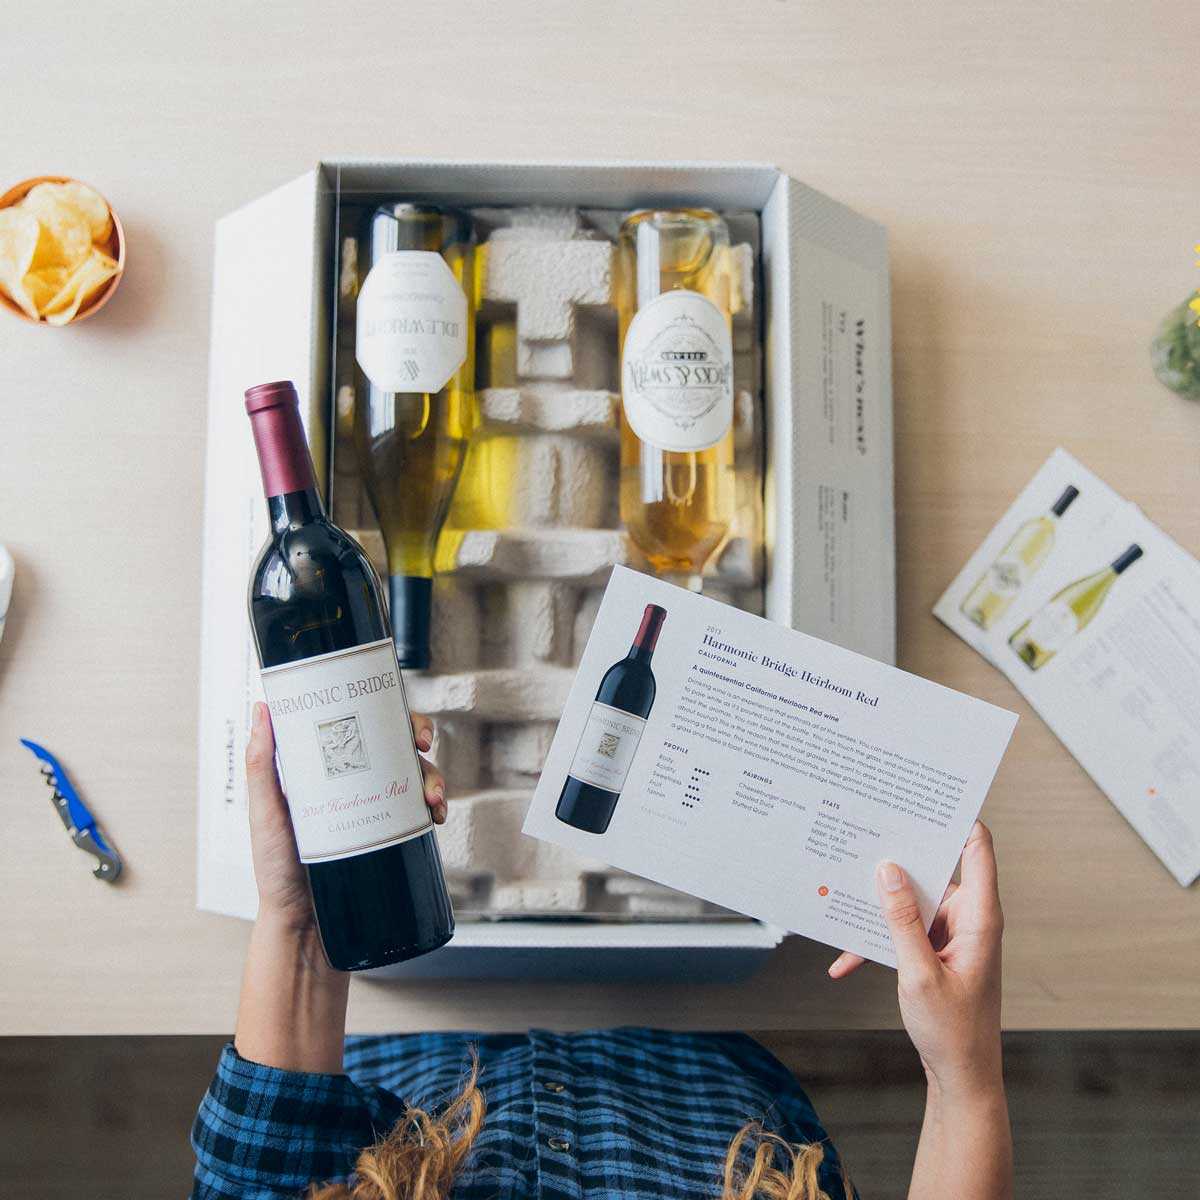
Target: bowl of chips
[(62, 250)]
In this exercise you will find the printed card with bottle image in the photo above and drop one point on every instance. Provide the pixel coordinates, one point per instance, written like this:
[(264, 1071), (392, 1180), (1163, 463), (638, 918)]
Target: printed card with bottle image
[(759, 768), (1094, 614)]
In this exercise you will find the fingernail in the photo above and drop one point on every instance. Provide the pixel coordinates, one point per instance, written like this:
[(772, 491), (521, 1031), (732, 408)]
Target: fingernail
[(425, 740), (890, 876), (256, 717), (438, 796)]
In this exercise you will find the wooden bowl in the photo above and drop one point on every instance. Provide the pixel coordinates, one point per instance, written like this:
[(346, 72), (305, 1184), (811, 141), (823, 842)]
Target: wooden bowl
[(114, 248)]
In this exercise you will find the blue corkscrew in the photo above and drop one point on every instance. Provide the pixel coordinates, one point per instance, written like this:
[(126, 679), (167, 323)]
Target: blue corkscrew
[(76, 815)]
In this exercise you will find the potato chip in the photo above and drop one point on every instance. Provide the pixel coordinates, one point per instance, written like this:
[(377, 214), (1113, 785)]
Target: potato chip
[(90, 275), (44, 284), (68, 226), (67, 283), (96, 264), (21, 238), (82, 198)]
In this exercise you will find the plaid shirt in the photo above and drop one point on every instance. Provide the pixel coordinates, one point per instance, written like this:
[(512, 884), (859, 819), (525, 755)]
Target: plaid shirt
[(626, 1112)]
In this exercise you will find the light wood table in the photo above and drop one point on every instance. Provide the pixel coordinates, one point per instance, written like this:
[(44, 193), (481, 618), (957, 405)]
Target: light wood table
[(1036, 166)]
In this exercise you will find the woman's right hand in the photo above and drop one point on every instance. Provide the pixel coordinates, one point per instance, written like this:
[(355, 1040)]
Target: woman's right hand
[(948, 979), (292, 1013), (283, 895)]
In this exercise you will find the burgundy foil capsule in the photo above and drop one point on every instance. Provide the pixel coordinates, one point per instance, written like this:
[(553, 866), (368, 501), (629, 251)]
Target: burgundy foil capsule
[(651, 626), (274, 412)]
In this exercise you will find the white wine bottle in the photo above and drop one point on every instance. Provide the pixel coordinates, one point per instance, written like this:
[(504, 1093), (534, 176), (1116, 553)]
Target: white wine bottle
[(415, 409), (1016, 564), (1040, 638), (674, 298)]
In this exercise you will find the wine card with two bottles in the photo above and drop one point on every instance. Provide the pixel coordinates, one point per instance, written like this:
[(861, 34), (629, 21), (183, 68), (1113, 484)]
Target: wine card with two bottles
[(1094, 614), (759, 768)]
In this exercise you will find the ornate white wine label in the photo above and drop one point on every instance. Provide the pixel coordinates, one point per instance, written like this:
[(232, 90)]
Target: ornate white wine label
[(677, 372), (1051, 628), (1008, 575), (411, 330), (609, 742), (346, 754)]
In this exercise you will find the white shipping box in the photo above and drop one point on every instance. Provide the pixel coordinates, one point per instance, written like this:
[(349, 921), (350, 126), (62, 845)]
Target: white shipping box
[(828, 481)]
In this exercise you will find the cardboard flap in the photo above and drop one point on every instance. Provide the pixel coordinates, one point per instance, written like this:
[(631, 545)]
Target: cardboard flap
[(829, 506), (264, 292)]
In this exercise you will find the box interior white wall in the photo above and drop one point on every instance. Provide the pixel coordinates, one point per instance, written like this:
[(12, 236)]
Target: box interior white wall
[(829, 508)]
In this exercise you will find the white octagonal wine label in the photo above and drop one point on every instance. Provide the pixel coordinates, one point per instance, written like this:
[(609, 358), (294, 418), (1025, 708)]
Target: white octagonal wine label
[(677, 372), (411, 331)]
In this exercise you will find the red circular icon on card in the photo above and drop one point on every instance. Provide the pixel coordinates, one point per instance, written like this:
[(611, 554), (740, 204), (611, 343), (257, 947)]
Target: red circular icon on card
[(822, 890)]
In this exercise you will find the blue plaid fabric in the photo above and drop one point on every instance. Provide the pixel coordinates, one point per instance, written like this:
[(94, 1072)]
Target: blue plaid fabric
[(625, 1112)]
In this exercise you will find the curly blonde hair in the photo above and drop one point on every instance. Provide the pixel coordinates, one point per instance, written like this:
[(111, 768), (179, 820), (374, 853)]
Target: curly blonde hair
[(420, 1157)]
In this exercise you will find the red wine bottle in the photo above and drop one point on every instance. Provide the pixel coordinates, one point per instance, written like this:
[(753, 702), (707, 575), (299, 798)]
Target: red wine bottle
[(612, 733), (342, 731)]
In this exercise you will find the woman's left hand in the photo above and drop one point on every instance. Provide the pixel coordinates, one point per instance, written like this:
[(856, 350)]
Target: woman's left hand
[(283, 896), (949, 979)]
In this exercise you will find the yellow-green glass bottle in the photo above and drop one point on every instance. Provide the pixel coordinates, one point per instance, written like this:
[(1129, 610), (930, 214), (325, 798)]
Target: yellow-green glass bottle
[(1015, 565), (1040, 638), (415, 408)]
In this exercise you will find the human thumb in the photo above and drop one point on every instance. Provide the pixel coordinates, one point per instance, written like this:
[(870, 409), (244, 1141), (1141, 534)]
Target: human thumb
[(898, 899), (262, 780)]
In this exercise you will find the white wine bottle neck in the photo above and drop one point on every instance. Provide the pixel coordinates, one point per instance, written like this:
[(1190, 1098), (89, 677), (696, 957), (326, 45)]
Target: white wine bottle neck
[(1124, 561), (649, 265), (1064, 501)]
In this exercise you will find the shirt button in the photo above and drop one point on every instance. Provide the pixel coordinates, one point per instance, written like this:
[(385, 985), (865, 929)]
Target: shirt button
[(558, 1143), (552, 1085)]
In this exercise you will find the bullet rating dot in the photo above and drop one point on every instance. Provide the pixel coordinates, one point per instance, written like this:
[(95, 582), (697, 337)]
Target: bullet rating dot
[(822, 890)]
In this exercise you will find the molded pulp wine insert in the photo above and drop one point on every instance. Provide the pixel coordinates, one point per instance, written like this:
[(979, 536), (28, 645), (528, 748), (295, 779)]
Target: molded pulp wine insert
[(531, 536)]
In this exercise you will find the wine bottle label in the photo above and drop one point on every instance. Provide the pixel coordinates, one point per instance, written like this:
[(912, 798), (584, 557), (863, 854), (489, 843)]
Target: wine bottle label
[(411, 323), (1051, 628), (346, 754), (609, 742), (1007, 576), (677, 372)]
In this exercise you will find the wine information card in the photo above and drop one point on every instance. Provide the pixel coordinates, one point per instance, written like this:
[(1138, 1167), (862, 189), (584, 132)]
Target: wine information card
[(759, 768), (1094, 614)]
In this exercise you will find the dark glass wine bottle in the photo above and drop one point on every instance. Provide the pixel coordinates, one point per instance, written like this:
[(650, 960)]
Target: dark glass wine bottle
[(342, 730), (612, 733)]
